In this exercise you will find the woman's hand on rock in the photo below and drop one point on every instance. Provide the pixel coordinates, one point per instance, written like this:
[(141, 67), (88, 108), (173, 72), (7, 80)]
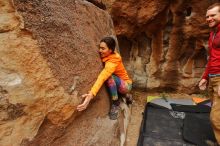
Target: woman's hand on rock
[(87, 98)]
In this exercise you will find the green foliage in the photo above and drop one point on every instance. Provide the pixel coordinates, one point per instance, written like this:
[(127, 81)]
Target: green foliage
[(204, 94), (164, 95)]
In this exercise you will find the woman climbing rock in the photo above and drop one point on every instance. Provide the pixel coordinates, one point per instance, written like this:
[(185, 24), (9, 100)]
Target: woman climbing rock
[(115, 76)]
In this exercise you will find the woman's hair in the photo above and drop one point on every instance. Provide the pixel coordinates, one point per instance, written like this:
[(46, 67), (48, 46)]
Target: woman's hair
[(110, 42)]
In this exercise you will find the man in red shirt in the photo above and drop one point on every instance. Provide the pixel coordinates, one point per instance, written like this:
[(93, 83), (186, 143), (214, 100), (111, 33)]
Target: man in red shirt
[(212, 71)]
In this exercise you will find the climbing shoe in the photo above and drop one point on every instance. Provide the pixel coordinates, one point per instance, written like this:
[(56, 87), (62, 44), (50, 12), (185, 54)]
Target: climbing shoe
[(114, 112), (129, 99)]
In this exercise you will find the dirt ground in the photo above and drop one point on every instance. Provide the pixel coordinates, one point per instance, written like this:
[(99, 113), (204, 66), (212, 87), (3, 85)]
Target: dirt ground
[(140, 98), (136, 117)]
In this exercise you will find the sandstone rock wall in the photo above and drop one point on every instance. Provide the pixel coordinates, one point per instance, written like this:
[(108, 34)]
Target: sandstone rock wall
[(164, 43), (47, 47)]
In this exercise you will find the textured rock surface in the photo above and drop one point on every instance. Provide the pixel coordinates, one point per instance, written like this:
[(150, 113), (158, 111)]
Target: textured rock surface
[(163, 42), (46, 47)]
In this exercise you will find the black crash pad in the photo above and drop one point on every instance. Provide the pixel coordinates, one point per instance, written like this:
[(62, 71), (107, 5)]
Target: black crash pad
[(159, 127), (197, 129), (165, 127)]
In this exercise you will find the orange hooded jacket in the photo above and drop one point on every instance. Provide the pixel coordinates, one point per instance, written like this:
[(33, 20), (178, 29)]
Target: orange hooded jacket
[(113, 65)]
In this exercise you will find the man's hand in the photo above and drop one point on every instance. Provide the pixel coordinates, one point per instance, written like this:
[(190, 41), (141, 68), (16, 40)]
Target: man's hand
[(203, 84), (85, 103)]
